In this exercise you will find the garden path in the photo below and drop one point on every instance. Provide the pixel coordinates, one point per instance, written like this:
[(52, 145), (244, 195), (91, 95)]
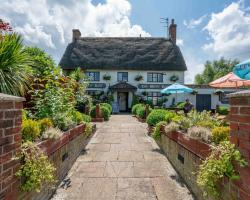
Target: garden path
[(122, 163)]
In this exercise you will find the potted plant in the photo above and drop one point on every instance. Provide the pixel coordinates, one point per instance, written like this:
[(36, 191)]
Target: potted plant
[(174, 78), (138, 77), (106, 77), (144, 93)]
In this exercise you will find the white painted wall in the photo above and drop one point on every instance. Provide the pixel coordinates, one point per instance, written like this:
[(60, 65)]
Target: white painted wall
[(166, 80)]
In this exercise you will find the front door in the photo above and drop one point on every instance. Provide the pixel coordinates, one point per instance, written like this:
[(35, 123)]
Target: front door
[(123, 101), (203, 102)]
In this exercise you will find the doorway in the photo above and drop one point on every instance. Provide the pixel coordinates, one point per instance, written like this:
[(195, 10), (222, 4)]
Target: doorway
[(203, 102), (123, 101)]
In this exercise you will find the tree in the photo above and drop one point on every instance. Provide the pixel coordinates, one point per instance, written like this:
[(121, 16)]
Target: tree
[(215, 69), (15, 65), (43, 64)]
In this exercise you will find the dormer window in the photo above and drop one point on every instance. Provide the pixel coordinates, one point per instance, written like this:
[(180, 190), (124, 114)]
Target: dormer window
[(122, 76), (93, 76), (155, 77)]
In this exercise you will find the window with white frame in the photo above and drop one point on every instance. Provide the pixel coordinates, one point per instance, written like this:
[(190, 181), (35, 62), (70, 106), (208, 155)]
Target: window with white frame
[(93, 76), (155, 77)]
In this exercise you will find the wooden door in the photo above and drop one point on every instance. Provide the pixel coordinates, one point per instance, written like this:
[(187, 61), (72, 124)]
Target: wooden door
[(123, 101), (203, 102)]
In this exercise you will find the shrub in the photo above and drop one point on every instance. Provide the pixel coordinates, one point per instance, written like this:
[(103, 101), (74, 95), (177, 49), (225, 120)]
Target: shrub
[(218, 165), (171, 127), (107, 105), (45, 123), (86, 118), (177, 118), (207, 124), (52, 133), (135, 107), (30, 130), (104, 111), (199, 133), (64, 123), (222, 110), (220, 134), (88, 129), (169, 116), (156, 116), (157, 130), (77, 117), (36, 170), (180, 105), (141, 112)]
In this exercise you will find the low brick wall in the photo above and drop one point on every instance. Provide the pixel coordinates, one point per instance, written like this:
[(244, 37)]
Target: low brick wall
[(10, 142), (62, 153), (186, 154)]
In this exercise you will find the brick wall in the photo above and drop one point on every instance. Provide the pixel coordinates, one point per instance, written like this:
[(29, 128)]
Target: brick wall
[(10, 141), (62, 153), (240, 136)]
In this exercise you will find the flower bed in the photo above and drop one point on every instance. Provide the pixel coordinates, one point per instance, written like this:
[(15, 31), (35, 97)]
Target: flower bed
[(62, 153)]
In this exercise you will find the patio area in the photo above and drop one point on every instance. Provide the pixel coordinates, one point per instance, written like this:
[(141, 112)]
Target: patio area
[(122, 163)]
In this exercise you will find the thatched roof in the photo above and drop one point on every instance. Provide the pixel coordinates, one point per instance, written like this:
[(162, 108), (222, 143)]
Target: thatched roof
[(124, 53)]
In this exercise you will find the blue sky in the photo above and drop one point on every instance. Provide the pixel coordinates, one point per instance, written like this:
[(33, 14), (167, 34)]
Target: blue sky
[(207, 29)]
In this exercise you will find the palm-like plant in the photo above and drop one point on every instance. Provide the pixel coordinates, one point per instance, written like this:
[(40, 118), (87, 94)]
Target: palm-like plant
[(15, 75)]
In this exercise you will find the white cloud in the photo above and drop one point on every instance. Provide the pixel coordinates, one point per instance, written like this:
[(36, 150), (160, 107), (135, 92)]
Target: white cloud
[(195, 66), (49, 23), (229, 31), (194, 22), (180, 42)]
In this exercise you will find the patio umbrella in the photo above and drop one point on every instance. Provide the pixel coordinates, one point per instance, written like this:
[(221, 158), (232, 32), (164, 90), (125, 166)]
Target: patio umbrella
[(242, 70), (176, 88), (229, 81)]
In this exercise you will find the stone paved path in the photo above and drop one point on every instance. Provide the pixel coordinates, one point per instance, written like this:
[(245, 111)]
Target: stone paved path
[(122, 163)]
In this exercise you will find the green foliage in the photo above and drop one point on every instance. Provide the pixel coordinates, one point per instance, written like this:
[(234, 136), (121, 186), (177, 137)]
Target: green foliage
[(157, 130), (52, 133), (55, 100), (86, 118), (45, 123), (104, 111), (135, 107), (220, 134), (30, 130), (169, 116), (43, 64), (141, 112), (156, 116), (88, 129), (204, 118), (218, 165), (177, 118), (36, 170), (77, 75), (135, 100), (180, 105), (108, 106), (64, 122), (214, 70), (77, 117), (222, 110), (15, 74)]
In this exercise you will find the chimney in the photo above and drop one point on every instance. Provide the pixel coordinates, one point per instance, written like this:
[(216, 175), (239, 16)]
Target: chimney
[(172, 31), (76, 34)]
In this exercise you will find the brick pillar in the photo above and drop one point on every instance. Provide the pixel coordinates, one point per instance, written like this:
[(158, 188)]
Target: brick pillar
[(98, 111), (240, 121), (10, 142), (240, 135)]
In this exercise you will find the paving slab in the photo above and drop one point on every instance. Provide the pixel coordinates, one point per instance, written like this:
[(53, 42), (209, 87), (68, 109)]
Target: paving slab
[(121, 162)]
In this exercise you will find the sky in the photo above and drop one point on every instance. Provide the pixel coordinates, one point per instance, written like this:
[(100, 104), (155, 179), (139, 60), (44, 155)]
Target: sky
[(206, 29)]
